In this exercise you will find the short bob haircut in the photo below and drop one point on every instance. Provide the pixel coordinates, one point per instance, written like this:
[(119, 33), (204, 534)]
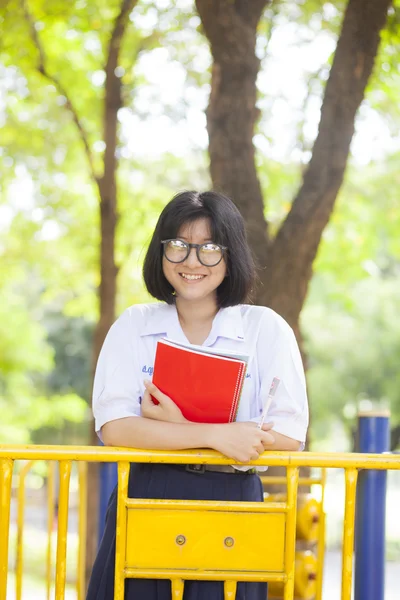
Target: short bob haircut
[(227, 228)]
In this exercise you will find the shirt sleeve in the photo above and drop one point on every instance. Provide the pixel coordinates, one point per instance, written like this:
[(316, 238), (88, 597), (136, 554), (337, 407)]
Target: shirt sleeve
[(116, 390), (289, 407)]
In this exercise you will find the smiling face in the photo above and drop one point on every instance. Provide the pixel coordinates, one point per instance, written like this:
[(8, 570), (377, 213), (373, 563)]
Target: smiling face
[(191, 280)]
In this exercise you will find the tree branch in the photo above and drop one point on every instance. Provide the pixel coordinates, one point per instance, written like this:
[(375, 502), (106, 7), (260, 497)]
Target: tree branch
[(289, 268), (43, 70), (113, 91)]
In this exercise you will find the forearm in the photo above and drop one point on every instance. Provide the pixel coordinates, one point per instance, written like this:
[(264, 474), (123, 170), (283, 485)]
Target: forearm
[(283, 442), (149, 434)]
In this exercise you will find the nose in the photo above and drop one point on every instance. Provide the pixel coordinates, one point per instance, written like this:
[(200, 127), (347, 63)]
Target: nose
[(192, 260)]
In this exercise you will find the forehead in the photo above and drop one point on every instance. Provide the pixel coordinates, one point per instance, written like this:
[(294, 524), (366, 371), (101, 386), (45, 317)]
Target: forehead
[(199, 230)]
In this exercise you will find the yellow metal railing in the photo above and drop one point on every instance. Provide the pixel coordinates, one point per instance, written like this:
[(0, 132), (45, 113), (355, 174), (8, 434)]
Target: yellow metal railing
[(306, 588), (51, 504), (227, 535)]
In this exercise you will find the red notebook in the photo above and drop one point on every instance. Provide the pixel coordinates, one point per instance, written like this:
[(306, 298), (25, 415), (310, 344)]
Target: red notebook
[(206, 384)]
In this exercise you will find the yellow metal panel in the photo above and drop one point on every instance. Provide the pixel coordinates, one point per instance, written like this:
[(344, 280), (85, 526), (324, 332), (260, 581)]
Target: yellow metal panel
[(6, 468), (61, 558), (165, 539), (348, 532)]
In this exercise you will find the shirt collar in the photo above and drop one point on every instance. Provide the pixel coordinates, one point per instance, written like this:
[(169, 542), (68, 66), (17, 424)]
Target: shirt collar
[(227, 323), (161, 318)]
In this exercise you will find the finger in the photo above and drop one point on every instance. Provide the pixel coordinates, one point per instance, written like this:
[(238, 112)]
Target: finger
[(154, 391), (147, 400), (260, 448), (254, 455), (267, 439), (267, 426)]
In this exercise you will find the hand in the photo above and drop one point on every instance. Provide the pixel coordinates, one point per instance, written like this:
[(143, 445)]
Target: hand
[(242, 441), (166, 410)]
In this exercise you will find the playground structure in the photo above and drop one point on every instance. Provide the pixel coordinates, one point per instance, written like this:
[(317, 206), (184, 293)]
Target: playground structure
[(230, 541)]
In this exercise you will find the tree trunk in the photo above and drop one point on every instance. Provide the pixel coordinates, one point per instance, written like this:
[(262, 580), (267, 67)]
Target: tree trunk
[(286, 262), (231, 29), (107, 186)]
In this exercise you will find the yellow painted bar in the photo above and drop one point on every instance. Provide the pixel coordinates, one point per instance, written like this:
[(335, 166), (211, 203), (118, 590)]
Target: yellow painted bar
[(282, 480), (348, 532), (204, 575), (230, 590), (61, 559), (290, 535), (120, 544), (111, 454), (82, 530), (212, 506), (19, 560), (6, 468), (50, 519), (323, 484), (177, 587)]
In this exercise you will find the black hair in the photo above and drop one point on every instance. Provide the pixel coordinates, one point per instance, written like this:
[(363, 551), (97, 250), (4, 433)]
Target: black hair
[(227, 229)]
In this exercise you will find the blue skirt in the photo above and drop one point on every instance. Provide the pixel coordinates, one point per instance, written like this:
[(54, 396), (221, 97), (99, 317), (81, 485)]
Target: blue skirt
[(173, 482)]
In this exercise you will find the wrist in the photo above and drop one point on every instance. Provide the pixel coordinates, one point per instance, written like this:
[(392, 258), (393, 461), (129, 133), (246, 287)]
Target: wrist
[(212, 435)]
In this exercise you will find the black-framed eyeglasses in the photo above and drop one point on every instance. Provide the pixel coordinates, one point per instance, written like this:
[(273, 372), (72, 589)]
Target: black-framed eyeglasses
[(208, 254)]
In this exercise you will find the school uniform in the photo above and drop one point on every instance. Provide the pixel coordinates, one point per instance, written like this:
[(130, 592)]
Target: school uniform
[(127, 359)]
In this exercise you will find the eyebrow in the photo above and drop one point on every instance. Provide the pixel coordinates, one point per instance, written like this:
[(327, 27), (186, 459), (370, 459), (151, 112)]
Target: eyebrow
[(185, 239)]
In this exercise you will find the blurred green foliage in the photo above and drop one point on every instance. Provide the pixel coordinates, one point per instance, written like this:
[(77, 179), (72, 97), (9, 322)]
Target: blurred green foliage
[(49, 234)]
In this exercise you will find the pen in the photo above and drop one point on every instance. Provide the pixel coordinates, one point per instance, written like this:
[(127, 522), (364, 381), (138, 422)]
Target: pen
[(271, 394)]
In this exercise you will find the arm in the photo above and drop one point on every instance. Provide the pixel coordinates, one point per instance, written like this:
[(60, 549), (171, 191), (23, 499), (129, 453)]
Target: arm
[(139, 432), (240, 441), (283, 442), (163, 427), (167, 412)]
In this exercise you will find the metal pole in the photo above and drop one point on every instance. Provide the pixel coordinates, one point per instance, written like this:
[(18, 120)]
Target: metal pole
[(373, 437)]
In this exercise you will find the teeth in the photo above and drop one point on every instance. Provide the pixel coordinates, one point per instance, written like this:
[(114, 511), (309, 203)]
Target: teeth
[(191, 277)]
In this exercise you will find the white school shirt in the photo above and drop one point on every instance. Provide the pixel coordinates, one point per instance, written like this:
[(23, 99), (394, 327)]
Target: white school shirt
[(127, 359)]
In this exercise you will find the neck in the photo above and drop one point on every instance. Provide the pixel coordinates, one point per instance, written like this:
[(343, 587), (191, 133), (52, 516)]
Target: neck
[(196, 314)]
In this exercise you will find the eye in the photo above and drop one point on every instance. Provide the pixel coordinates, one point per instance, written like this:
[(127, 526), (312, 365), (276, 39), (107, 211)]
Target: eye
[(177, 244), (211, 248)]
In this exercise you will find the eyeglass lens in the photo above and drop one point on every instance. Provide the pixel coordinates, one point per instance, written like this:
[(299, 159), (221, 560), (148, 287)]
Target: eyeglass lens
[(208, 254)]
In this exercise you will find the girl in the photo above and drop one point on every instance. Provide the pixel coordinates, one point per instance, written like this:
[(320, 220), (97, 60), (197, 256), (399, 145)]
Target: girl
[(199, 267)]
